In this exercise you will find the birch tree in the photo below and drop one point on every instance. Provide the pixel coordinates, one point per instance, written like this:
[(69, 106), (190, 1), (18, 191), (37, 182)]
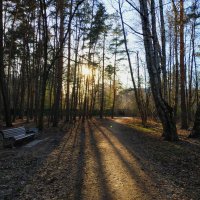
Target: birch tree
[(165, 112)]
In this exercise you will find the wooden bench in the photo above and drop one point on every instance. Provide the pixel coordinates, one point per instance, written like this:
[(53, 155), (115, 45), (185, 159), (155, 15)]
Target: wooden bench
[(10, 136)]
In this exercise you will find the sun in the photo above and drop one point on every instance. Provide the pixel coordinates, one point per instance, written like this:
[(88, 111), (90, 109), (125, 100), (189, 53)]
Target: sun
[(85, 71)]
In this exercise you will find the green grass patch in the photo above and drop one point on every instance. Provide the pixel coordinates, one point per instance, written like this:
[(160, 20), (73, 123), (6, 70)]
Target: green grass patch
[(141, 129)]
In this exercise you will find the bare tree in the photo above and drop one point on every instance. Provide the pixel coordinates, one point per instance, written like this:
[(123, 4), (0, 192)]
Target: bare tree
[(184, 121), (141, 108), (165, 112), (59, 70), (163, 50), (4, 88)]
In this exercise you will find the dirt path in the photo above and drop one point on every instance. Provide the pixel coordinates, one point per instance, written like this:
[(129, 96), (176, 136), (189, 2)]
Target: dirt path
[(99, 160), (91, 163), (116, 170)]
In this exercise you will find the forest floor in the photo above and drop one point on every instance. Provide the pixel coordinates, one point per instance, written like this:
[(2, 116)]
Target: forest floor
[(102, 159)]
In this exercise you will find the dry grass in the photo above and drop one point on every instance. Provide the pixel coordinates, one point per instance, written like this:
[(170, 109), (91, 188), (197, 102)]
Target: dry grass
[(153, 127)]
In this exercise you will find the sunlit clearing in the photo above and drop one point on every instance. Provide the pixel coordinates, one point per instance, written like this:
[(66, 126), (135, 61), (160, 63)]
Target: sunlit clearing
[(85, 71)]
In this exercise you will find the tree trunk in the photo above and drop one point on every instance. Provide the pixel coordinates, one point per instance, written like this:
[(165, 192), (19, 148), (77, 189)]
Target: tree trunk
[(3, 85), (190, 73), (45, 67), (163, 57), (176, 59), (68, 69), (102, 88), (196, 128), (59, 70), (140, 107), (114, 85), (165, 112), (184, 121)]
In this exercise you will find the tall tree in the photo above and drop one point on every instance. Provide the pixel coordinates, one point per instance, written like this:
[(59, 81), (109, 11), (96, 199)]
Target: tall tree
[(163, 49), (3, 84), (141, 108), (59, 69), (103, 75), (184, 121), (45, 73), (97, 28), (176, 58), (69, 65), (116, 49), (165, 112)]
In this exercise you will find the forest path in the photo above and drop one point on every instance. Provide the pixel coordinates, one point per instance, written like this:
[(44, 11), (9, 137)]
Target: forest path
[(103, 159), (112, 171), (92, 163)]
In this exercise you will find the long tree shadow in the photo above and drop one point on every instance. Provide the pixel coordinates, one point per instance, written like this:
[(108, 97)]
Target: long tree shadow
[(100, 168), (27, 163), (183, 143), (168, 159), (68, 169), (65, 168), (136, 178), (80, 164), (73, 131)]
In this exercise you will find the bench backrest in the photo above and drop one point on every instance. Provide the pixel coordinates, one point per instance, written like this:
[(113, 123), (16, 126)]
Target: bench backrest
[(13, 132)]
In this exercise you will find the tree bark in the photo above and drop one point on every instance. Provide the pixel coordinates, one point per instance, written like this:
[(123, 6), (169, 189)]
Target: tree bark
[(140, 107), (114, 84), (68, 68), (102, 88), (176, 59), (59, 70), (196, 128), (184, 121), (165, 112), (4, 88), (163, 57), (45, 66)]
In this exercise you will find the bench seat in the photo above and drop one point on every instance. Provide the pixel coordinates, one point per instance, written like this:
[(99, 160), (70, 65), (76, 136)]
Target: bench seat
[(10, 136), (20, 137)]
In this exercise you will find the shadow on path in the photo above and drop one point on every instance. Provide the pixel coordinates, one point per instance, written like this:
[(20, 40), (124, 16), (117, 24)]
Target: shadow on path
[(174, 166), (141, 180), (80, 164), (105, 193)]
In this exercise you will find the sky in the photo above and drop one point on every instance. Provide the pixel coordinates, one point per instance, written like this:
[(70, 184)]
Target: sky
[(135, 42)]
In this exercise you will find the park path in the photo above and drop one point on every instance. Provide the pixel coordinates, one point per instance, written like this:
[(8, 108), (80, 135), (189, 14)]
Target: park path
[(117, 174), (100, 159), (94, 161)]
